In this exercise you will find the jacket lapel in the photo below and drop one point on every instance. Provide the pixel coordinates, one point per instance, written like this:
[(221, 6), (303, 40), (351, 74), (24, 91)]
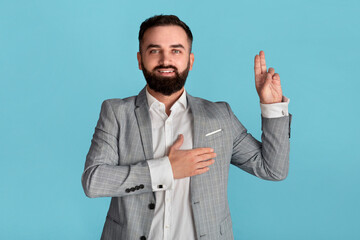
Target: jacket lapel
[(144, 123), (199, 125), (198, 182), (199, 116)]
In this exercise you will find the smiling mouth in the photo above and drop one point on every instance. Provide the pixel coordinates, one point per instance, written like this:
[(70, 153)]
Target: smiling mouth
[(166, 71)]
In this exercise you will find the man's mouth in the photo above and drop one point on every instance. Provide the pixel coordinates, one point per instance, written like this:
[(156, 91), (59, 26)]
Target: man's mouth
[(166, 72)]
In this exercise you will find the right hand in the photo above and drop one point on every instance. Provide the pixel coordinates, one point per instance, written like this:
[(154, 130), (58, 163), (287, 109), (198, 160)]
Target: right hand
[(187, 163), (267, 83)]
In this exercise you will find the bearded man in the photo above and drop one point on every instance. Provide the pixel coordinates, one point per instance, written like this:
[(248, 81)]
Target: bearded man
[(163, 156)]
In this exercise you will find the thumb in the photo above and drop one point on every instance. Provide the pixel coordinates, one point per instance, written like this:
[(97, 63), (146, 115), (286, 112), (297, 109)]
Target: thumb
[(179, 141)]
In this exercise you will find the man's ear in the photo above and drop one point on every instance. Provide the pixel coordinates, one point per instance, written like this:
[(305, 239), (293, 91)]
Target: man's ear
[(139, 60), (192, 58)]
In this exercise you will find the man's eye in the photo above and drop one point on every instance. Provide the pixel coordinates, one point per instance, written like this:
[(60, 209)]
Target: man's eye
[(176, 51), (154, 51)]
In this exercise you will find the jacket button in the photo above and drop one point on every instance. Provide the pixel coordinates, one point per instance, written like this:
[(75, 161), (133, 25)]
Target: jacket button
[(137, 188), (151, 206), (142, 238), (127, 190), (141, 186), (132, 189)]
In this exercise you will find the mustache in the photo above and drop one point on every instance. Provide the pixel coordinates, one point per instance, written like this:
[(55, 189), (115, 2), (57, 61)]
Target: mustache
[(167, 66)]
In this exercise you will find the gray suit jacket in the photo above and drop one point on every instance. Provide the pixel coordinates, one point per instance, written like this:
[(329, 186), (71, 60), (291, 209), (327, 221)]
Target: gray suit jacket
[(116, 164)]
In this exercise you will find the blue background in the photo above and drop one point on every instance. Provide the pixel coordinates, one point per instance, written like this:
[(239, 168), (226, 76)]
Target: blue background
[(60, 59)]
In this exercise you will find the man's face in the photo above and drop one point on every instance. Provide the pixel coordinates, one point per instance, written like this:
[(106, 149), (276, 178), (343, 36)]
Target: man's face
[(165, 58)]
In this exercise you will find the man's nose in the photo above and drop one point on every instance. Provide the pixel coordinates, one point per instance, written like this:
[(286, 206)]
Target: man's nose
[(165, 59)]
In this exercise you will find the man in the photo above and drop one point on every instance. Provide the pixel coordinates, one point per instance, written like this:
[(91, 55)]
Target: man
[(163, 156)]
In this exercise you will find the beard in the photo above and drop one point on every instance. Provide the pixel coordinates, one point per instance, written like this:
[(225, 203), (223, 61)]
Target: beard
[(165, 85)]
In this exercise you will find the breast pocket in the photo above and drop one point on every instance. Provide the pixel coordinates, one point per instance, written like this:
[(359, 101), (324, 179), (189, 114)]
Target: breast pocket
[(214, 134)]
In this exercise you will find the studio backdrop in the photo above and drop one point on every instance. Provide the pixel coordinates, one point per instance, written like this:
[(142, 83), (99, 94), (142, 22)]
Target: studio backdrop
[(60, 59)]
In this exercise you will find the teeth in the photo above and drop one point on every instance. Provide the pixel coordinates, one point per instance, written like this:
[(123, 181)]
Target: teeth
[(166, 71)]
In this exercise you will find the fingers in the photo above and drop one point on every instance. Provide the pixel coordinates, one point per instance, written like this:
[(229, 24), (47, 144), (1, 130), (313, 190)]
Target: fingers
[(192, 162), (200, 151), (205, 157), (203, 167), (257, 65), (274, 76), (271, 71), (205, 163), (262, 62), (276, 79), (200, 154), (200, 171)]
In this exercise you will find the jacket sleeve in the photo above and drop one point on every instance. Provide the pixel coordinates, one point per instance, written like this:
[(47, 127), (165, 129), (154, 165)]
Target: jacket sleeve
[(268, 159), (103, 176)]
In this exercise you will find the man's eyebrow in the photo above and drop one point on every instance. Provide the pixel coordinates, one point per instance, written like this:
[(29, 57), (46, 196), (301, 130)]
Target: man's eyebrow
[(152, 46), (177, 46), (158, 46)]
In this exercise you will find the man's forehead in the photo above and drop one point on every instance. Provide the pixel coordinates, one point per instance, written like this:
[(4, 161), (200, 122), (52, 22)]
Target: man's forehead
[(165, 36)]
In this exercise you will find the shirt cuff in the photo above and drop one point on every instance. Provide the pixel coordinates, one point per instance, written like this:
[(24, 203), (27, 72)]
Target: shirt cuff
[(275, 110), (161, 174)]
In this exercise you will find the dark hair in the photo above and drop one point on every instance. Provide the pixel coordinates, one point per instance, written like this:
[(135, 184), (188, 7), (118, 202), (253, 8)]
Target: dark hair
[(163, 20)]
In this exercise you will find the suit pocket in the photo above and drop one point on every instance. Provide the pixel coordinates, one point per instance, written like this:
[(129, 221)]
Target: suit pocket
[(112, 220), (226, 228), (112, 229)]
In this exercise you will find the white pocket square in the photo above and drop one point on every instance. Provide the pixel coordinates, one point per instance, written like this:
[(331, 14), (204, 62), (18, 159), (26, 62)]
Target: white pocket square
[(211, 133)]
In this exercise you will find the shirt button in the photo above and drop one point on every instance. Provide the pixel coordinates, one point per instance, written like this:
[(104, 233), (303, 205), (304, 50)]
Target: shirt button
[(283, 113)]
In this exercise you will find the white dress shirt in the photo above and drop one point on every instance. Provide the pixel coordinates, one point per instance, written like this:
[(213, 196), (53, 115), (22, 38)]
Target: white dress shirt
[(173, 218)]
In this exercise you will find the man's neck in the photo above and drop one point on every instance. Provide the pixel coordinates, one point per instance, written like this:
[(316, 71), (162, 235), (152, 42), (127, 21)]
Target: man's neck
[(168, 101)]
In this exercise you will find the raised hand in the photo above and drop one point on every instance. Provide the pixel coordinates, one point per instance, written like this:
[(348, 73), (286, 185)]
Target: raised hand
[(267, 83), (187, 163)]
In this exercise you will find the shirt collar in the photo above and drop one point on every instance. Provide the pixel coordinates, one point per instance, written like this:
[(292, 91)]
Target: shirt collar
[(182, 101)]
